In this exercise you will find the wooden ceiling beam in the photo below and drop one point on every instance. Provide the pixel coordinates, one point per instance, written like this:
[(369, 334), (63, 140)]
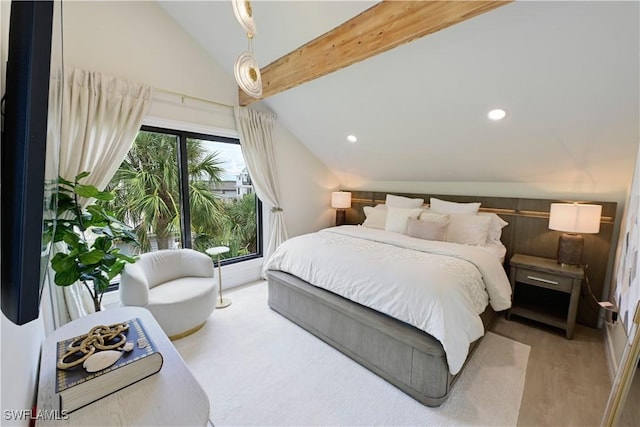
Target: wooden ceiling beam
[(380, 28)]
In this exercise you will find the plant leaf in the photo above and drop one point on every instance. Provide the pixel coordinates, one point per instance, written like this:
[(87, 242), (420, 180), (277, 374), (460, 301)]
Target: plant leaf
[(92, 257), (100, 284), (66, 277), (126, 258), (61, 262), (105, 196), (108, 261), (116, 269), (103, 243), (88, 191), (61, 180), (82, 174), (70, 237)]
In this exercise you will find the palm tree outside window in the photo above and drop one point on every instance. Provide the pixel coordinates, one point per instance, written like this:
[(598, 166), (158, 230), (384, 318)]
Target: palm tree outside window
[(182, 189)]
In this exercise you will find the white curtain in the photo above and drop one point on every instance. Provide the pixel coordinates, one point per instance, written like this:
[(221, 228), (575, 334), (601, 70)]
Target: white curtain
[(100, 118), (254, 128)]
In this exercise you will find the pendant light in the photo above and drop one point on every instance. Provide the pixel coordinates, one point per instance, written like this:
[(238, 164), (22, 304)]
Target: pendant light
[(246, 70)]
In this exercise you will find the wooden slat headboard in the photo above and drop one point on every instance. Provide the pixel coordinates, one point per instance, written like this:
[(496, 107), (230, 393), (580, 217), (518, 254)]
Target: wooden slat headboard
[(527, 233)]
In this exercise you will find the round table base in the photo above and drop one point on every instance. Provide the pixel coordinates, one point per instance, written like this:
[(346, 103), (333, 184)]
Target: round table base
[(222, 303)]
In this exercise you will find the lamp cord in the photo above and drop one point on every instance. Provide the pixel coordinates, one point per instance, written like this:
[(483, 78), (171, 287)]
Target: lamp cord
[(612, 308)]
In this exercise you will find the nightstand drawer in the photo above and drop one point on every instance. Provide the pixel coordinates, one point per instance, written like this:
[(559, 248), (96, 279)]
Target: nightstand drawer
[(544, 280)]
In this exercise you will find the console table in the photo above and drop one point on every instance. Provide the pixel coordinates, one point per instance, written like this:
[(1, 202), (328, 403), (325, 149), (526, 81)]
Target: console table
[(171, 397)]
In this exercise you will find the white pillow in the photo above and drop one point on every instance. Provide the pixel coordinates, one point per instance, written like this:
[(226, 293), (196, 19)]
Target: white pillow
[(427, 230), (374, 218), (443, 206), (403, 202), (427, 215), (397, 218), (468, 229), (495, 227)]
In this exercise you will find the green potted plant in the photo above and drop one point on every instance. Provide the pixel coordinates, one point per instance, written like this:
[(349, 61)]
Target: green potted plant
[(90, 235)]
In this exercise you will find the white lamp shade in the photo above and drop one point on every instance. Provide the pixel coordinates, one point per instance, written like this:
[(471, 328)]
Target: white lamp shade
[(575, 218), (341, 199)]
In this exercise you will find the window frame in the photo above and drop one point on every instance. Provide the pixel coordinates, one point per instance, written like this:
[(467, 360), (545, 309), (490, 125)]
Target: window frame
[(185, 208)]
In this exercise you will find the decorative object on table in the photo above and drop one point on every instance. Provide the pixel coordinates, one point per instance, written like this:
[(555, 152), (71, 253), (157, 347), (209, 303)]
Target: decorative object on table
[(90, 235), (84, 376), (573, 218), (217, 251), (101, 338), (340, 201), (246, 69)]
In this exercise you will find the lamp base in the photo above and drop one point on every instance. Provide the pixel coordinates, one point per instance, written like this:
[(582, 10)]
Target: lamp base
[(570, 249), (222, 303), (341, 215)]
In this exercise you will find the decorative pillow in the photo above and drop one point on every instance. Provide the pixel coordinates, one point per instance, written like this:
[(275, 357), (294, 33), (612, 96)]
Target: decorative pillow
[(403, 202), (427, 230), (427, 215), (495, 227), (397, 218), (374, 218), (443, 206), (468, 229)]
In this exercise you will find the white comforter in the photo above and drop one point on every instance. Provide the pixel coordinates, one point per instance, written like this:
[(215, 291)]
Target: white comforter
[(438, 287)]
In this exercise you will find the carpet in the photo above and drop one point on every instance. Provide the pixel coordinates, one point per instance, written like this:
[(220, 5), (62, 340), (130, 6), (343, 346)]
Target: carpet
[(258, 368)]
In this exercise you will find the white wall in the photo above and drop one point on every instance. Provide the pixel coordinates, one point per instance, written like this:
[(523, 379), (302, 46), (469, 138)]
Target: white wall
[(139, 41), (19, 345), (306, 183), (20, 351), (499, 189), (626, 278)]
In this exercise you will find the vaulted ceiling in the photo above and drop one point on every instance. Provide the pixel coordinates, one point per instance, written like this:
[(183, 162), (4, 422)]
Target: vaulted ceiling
[(567, 73)]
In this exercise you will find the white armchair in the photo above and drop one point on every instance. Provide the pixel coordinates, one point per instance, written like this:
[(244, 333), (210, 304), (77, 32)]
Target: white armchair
[(177, 286)]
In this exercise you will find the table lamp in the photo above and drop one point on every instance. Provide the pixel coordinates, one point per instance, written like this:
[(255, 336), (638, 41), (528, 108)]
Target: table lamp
[(573, 218), (340, 200)]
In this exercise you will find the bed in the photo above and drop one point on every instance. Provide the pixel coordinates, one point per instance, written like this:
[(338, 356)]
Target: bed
[(363, 289)]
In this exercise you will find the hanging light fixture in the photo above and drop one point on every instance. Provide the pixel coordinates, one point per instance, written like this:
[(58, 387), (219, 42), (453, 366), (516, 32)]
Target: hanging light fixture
[(246, 70), (244, 14)]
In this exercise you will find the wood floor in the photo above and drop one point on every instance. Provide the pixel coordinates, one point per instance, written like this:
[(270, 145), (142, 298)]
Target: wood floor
[(567, 381)]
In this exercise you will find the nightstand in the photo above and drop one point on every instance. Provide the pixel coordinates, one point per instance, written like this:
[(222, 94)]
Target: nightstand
[(545, 291)]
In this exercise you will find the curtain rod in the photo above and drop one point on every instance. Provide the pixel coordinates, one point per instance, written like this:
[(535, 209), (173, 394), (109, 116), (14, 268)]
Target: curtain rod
[(182, 95)]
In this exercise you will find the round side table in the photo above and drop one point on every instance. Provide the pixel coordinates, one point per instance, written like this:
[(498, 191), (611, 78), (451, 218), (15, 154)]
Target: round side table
[(217, 251)]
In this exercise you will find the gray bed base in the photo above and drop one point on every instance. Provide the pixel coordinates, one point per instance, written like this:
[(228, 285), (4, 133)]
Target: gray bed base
[(403, 355)]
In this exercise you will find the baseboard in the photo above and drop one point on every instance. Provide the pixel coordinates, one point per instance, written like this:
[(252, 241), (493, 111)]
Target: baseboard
[(609, 350), (615, 343), (240, 273)]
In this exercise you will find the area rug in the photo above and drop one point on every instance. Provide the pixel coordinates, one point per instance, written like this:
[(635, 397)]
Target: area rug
[(259, 369)]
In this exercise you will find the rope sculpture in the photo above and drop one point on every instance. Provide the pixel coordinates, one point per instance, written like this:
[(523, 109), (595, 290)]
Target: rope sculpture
[(112, 337)]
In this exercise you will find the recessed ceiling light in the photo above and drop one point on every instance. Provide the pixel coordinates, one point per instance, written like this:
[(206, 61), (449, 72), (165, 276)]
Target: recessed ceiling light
[(352, 138), (497, 114)]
